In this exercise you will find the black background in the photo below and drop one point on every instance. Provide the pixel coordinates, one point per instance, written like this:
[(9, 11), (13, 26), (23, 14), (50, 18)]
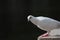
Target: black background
[(13, 17)]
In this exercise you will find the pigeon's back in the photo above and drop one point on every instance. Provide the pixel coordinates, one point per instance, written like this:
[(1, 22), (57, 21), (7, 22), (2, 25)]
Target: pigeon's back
[(46, 23)]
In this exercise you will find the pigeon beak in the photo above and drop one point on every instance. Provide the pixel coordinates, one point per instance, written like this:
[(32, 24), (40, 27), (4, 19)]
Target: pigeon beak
[(28, 18)]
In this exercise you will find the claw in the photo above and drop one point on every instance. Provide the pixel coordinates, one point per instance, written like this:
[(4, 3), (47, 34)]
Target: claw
[(44, 35)]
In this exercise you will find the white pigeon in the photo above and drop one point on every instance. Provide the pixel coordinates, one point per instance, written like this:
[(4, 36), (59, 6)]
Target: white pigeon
[(44, 23)]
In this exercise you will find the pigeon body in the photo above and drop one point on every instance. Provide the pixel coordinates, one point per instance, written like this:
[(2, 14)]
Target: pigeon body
[(44, 23), (55, 32)]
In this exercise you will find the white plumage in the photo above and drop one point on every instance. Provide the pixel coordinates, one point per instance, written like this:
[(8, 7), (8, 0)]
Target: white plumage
[(55, 32), (44, 23)]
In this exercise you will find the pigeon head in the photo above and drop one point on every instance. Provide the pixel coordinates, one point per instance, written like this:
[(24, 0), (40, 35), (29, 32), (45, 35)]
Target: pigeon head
[(29, 17)]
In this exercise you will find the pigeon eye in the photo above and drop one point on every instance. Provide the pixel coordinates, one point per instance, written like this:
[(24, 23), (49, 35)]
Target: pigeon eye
[(30, 17)]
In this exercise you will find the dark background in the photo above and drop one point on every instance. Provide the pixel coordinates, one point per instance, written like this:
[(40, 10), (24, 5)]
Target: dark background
[(13, 17)]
